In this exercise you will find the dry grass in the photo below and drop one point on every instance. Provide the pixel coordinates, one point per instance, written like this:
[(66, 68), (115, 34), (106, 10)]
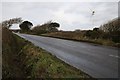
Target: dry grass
[(79, 36)]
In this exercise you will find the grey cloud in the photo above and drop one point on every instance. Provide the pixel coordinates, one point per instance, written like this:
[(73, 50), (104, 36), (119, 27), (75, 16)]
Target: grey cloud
[(71, 15)]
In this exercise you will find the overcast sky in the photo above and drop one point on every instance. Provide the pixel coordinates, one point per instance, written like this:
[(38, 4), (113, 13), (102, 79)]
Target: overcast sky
[(70, 15)]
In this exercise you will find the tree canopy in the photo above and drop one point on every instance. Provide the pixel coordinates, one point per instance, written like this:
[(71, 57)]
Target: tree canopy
[(112, 28), (25, 26), (54, 24), (8, 23), (46, 27)]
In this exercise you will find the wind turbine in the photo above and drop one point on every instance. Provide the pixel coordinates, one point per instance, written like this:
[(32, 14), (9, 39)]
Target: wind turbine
[(92, 16), (93, 13)]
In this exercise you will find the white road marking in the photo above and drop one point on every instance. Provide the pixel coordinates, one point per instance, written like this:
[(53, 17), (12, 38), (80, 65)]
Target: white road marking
[(114, 56)]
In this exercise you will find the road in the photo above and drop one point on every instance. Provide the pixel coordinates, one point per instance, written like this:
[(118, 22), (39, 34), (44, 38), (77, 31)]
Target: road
[(95, 60)]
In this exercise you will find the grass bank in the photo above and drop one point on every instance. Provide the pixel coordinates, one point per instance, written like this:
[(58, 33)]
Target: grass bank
[(78, 36), (41, 64), (11, 65), (21, 59)]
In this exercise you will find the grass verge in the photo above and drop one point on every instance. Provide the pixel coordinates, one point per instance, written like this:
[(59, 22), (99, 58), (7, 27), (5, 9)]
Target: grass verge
[(76, 38), (39, 63)]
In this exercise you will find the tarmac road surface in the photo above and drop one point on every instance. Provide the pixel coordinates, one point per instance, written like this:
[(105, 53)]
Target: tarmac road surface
[(96, 60)]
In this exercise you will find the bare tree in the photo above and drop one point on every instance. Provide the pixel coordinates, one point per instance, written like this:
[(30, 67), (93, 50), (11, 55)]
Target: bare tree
[(111, 26), (8, 23)]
